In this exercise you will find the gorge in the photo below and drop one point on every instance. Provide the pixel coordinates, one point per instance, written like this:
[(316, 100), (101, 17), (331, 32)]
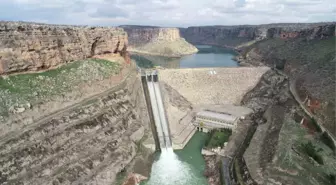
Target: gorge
[(73, 109)]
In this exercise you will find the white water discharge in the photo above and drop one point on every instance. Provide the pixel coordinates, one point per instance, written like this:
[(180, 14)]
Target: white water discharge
[(169, 170)]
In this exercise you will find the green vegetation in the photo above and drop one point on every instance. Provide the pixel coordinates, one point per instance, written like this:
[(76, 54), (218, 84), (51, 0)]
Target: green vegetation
[(327, 140), (218, 138), (121, 177), (315, 125), (332, 178), (34, 88), (142, 62), (295, 146), (239, 176), (312, 152)]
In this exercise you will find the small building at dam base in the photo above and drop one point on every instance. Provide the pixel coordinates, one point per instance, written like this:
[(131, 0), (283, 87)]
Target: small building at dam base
[(208, 120)]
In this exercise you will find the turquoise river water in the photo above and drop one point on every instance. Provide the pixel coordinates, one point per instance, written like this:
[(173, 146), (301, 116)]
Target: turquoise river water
[(181, 167)]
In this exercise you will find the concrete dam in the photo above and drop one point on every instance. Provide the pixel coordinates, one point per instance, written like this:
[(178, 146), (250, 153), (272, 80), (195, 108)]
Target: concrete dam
[(175, 96)]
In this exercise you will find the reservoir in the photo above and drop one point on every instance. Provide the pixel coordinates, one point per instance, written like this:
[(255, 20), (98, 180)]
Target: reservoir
[(207, 56)]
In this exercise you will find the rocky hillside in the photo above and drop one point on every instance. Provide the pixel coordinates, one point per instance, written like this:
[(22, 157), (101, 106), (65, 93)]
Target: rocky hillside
[(88, 144), (79, 122), (157, 41), (310, 64), (30, 46), (232, 36)]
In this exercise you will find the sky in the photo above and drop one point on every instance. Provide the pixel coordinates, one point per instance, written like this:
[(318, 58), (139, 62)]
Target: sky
[(168, 13)]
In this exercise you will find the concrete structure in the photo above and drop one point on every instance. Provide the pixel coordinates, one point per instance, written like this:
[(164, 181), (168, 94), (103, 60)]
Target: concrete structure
[(215, 86), (189, 92), (208, 120), (158, 110)]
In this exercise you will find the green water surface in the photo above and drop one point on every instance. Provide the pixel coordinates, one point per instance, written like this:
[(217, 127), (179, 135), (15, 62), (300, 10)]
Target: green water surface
[(181, 167)]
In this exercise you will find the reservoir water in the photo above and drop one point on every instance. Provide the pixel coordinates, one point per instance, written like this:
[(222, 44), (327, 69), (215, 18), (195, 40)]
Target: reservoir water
[(181, 167), (207, 56)]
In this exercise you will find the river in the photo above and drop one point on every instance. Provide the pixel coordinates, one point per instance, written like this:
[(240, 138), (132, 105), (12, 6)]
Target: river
[(207, 56), (181, 167)]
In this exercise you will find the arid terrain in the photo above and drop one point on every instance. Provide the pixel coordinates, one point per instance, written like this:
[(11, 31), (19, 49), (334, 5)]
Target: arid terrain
[(73, 107)]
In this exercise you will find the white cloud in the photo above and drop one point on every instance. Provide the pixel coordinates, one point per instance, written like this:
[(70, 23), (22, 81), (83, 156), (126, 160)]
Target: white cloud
[(168, 12)]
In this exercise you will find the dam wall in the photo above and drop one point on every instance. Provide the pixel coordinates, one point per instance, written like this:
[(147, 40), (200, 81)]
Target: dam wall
[(213, 85), (186, 91)]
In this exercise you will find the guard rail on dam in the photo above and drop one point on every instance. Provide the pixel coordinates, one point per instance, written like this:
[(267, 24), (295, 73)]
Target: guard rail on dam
[(156, 109)]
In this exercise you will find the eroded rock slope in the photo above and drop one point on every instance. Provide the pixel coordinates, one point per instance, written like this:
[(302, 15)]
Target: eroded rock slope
[(30, 46), (232, 36), (88, 144), (158, 41)]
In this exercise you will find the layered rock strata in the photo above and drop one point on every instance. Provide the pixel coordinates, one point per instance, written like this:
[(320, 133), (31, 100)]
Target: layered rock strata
[(88, 144), (232, 36), (30, 46), (310, 65), (158, 41)]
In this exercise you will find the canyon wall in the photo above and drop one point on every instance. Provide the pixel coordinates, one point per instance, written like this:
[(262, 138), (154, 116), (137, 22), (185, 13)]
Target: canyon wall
[(30, 46), (88, 144), (157, 41), (308, 57), (227, 36), (232, 36)]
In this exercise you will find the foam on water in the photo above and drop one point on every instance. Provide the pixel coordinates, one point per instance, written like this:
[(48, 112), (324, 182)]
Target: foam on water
[(169, 170), (181, 167)]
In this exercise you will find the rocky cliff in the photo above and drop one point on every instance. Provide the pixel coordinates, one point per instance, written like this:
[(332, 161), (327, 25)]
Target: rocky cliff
[(310, 65), (87, 144), (157, 41), (30, 46), (219, 35), (81, 123), (232, 36)]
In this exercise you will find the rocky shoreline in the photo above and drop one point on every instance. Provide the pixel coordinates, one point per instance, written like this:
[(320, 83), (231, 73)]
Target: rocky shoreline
[(212, 169)]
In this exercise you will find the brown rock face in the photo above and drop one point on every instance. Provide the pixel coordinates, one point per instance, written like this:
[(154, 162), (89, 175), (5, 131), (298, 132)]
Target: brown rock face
[(88, 144), (28, 46), (232, 36), (139, 35), (219, 35), (157, 41)]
